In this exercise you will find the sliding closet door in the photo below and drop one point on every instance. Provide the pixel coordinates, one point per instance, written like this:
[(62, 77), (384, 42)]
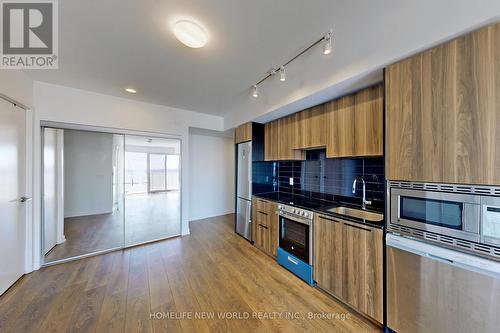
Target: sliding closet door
[(83, 193), (152, 196)]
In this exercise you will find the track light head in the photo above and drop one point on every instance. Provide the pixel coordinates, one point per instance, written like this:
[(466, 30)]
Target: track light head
[(327, 43), (282, 74), (255, 92)]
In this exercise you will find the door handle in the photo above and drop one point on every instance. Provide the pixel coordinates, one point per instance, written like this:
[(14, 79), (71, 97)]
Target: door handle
[(24, 199)]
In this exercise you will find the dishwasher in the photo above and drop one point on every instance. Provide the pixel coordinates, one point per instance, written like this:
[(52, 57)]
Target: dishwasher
[(436, 289)]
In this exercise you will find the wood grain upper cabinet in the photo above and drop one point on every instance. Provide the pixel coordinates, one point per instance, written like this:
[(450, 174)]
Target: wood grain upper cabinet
[(355, 124), (369, 122), (312, 128), (243, 133), (328, 254), (340, 118), (281, 138), (271, 141), (442, 112)]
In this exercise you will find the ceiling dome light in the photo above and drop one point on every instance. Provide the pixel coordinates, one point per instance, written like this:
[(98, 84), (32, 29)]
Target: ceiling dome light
[(282, 74), (255, 91), (130, 90), (190, 33)]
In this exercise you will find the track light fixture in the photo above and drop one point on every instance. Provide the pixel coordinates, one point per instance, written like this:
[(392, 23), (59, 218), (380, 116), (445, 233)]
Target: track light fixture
[(255, 91), (327, 41), (282, 74)]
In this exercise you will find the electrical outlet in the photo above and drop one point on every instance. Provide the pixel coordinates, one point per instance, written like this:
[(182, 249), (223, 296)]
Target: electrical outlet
[(290, 181)]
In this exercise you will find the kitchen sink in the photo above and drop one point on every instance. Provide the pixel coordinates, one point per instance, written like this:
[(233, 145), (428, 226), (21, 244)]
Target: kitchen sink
[(357, 213)]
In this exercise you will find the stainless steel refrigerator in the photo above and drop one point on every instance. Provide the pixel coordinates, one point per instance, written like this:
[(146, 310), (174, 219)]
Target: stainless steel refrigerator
[(244, 190)]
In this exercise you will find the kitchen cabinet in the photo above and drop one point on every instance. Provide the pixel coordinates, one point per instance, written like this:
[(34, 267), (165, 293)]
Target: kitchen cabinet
[(348, 263), (369, 122), (340, 119), (265, 225), (442, 119), (312, 128), (356, 124), (351, 126), (271, 141), (281, 136), (328, 253), (243, 133)]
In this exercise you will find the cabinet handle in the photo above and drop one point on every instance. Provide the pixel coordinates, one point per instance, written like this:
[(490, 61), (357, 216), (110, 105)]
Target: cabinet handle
[(262, 213), (328, 219), (357, 227), (263, 226)]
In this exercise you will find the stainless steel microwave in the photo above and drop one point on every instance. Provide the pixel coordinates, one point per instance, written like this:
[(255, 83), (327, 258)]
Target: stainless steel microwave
[(464, 212)]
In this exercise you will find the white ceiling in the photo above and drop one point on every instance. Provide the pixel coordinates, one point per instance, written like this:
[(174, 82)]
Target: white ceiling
[(105, 46)]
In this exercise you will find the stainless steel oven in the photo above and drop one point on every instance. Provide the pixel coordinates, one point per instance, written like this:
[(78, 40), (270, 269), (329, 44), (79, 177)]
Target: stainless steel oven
[(295, 232)]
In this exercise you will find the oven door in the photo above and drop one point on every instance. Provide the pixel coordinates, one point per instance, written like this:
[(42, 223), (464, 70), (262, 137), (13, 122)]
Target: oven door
[(294, 238), (451, 214)]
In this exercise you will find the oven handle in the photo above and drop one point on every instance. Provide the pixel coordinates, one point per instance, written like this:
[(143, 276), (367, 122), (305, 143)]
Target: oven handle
[(293, 260)]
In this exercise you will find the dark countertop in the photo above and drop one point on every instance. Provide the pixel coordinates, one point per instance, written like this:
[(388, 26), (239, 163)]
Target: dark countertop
[(320, 206)]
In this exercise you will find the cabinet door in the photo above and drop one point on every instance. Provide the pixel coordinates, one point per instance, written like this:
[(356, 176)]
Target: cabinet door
[(288, 129), (243, 133), (318, 131), (340, 119), (328, 254), (312, 128), (273, 223), (362, 269), (442, 119), (271, 141), (368, 122)]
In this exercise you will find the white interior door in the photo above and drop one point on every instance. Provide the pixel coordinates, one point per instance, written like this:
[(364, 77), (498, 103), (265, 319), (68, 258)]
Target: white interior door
[(12, 189)]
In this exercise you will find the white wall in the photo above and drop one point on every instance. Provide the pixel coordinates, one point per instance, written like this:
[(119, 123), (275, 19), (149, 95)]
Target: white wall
[(76, 106), (211, 175), (88, 173)]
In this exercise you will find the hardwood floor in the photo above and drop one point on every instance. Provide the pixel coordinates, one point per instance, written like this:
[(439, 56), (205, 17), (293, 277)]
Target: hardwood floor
[(211, 272)]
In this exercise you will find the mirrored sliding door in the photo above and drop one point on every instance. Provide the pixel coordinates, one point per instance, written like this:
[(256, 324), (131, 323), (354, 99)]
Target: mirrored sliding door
[(105, 191), (154, 212), (82, 192)]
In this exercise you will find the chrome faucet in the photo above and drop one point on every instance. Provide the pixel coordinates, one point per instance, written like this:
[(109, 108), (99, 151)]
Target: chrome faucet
[(364, 202)]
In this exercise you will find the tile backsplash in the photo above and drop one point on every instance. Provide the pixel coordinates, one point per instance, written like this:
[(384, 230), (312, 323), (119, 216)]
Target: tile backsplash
[(322, 177)]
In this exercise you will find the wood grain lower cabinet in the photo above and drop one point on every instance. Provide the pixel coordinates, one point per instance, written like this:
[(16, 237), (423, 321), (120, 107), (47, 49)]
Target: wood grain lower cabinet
[(328, 253), (265, 225), (348, 262)]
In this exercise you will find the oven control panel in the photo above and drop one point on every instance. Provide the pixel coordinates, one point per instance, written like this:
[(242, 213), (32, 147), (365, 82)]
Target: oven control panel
[(299, 212)]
